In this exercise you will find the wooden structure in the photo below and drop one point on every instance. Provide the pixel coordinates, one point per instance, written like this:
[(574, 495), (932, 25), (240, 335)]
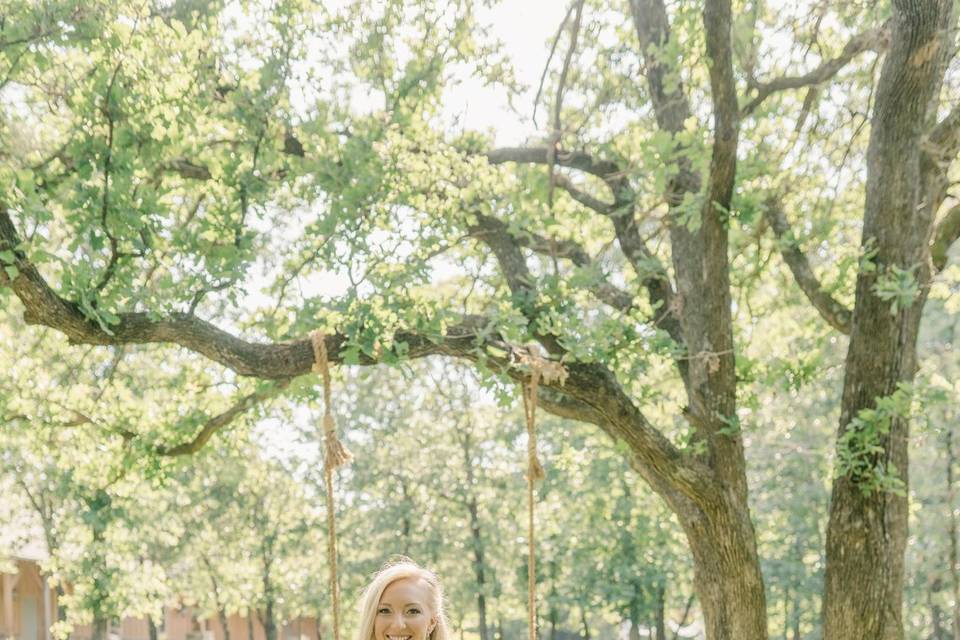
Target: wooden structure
[(28, 606)]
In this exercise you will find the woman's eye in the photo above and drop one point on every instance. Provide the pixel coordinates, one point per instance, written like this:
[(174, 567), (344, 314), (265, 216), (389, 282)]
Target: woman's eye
[(383, 610), (413, 612)]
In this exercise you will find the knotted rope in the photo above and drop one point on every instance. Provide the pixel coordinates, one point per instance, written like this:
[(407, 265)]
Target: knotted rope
[(335, 456), (540, 368)]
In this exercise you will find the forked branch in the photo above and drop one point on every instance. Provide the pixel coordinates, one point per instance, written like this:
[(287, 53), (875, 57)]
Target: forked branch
[(877, 39)]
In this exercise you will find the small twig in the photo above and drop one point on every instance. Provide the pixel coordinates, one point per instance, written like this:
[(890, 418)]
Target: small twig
[(555, 137), (546, 67)]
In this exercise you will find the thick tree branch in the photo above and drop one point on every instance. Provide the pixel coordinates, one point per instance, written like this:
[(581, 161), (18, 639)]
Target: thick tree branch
[(836, 314), (877, 39), (187, 169), (217, 422), (43, 306), (590, 386), (608, 171), (946, 233), (592, 394)]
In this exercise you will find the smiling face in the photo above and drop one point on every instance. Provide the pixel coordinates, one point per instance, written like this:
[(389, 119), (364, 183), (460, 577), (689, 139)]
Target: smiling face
[(404, 611)]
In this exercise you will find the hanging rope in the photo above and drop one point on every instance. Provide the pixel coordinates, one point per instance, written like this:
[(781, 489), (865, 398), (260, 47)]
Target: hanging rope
[(335, 456), (550, 372)]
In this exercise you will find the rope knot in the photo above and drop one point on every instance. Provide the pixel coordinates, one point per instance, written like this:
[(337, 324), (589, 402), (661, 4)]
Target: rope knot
[(336, 454), (540, 369)]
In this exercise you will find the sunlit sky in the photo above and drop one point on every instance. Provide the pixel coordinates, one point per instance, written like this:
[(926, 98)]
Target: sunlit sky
[(525, 27)]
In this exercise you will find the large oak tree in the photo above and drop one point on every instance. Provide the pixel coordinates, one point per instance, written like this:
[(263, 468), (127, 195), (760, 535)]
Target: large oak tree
[(193, 175)]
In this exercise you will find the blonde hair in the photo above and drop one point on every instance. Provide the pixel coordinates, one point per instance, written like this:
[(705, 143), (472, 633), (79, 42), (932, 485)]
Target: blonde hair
[(387, 575)]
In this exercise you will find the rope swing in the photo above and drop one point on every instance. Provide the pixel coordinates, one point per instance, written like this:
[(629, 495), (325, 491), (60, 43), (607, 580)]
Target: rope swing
[(540, 368), (335, 456)]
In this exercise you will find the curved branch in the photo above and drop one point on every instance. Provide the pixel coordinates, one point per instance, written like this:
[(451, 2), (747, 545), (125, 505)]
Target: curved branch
[(217, 422), (583, 197), (836, 314), (877, 39)]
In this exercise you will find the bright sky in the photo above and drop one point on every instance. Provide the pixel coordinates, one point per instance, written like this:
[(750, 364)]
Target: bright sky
[(525, 27)]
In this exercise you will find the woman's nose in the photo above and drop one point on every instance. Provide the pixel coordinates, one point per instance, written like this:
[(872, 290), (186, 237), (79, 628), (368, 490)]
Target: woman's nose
[(397, 623)]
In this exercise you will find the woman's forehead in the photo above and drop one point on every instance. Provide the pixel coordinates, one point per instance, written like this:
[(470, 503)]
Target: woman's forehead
[(406, 591)]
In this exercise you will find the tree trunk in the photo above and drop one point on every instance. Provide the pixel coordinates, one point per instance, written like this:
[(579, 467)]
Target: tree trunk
[(478, 567), (726, 568), (786, 613), (61, 610), (217, 600), (795, 618), (250, 615), (952, 532), (151, 628), (584, 627), (936, 614), (473, 510), (660, 610), (269, 624), (99, 629), (634, 630), (552, 617), (683, 619), (867, 530), (224, 623)]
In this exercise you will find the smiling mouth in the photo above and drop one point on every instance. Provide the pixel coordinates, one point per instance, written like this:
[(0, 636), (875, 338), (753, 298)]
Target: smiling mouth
[(392, 637)]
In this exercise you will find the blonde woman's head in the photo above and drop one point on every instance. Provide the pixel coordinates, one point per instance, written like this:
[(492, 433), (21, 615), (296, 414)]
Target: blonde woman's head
[(403, 602)]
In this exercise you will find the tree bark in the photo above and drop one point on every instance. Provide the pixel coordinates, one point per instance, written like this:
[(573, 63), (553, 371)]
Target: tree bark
[(936, 614), (100, 628), (727, 572), (479, 567), (952, 532), (224, 623), (473, 510), (660, 610), (867, 530), (795, 618)]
